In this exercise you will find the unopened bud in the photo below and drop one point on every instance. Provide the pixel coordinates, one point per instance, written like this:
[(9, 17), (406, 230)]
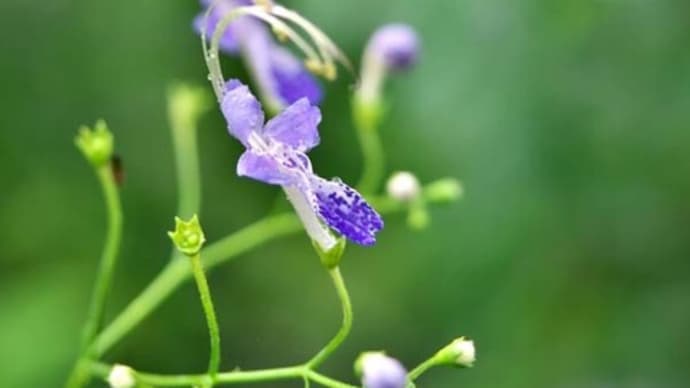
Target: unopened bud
[(443, 190), (397, 45), (403, 186), (121, 376), (460, 352), (380, 371)]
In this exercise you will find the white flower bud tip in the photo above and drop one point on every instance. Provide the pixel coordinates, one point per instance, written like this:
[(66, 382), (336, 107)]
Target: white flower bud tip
[(121, 376), (464, 350), (403, 186)]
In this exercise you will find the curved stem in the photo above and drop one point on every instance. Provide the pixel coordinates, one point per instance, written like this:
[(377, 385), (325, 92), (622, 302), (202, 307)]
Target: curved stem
[(340, 336), (176, 273), (365, 119), (105, 271), (421, 368), (210, 313)]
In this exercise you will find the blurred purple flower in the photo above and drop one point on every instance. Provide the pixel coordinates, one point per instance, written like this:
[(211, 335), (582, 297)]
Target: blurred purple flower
[(276, 154), (396, 45), (280, 76), (381, 371)]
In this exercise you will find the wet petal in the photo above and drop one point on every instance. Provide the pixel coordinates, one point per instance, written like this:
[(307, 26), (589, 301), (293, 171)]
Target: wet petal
[(264, 168), (346, 211), (296, 126), (242, 111), (292, 80)]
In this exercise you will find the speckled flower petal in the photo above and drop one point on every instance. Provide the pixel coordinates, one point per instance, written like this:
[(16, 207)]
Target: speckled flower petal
[(264, 168), (292, 80), (242, 111), (296, 126), (343, 209)]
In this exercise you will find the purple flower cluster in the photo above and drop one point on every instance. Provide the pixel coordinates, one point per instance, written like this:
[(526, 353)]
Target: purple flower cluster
[(281, 77), (276, 154)]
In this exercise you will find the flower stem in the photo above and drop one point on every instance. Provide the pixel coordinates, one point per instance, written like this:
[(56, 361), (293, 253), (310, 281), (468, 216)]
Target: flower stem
[(422, 368), (176, 273), (105, 272), (344, 330), (226, 378), (370, 144), (185, 105), (210, 313)]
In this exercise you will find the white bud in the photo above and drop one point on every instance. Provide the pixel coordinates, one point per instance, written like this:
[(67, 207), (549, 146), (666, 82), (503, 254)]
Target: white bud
[(403, 186), (121, 376), (464, 351)]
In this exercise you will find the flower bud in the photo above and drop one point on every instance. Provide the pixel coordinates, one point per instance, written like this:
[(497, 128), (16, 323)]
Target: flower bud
[(121, 376), (443, 190), (397, 46), (97, 144), (188, 236), (403, 186), (380, 371), (392, 48), (460, 352)]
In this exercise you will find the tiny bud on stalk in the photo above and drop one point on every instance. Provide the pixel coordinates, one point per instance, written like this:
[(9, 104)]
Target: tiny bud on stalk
[(444, 190), (121, 376), (460, 352), (403, 186)]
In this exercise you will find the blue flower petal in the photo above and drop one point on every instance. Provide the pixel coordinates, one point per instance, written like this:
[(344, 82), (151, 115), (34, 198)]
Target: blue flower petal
[(296, 126), (264, 168), (346, 211), (242, 111), (292, 80)]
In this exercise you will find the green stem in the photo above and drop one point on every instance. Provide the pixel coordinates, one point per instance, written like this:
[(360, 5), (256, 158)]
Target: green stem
[(422, 368), (184, 109), (105, 272), (340, 336), (233, 377), (366, 117), (210, 313), (373, 159), (176, 273)]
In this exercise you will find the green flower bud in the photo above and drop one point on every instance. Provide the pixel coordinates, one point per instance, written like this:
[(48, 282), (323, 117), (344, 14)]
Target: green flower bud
[(188, 236), (460, 352), (97, 144), (443, 190), (418, 217), (331, 258)]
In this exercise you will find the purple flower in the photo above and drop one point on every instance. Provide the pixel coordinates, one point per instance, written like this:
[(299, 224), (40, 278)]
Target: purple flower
[(392, 48), (397, 46), (281, 77), (276, 154), (381, 371)]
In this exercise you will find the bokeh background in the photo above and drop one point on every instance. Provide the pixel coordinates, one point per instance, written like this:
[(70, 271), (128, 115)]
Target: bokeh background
[(568, 259)]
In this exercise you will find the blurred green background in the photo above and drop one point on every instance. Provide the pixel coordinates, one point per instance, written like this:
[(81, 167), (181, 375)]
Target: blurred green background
[(567, 261)]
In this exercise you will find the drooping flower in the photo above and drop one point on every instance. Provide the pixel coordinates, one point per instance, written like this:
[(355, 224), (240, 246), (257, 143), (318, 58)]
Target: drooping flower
[(276, 154), (392, 48), (380, 371), (281, 77)]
